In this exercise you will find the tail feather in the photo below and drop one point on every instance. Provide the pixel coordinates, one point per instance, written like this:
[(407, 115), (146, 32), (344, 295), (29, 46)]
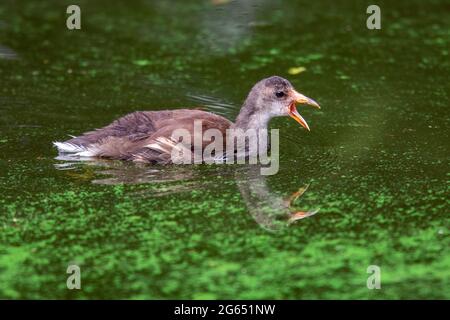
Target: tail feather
[(76, 150)]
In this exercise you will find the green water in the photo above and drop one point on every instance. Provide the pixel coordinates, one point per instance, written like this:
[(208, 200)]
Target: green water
[(375, 161)]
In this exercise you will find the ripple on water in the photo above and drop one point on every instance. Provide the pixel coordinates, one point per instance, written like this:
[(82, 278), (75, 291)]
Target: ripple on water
[(7, 53), (314, 159), (215, 105)]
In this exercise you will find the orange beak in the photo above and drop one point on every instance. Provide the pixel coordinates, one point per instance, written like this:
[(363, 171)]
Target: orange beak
[(299, 98)]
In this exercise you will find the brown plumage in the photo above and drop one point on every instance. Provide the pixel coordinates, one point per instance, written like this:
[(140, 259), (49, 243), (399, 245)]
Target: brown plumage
[(146, 136)]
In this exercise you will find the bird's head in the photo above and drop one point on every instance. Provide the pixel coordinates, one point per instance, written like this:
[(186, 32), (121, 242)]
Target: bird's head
[(276, 97)]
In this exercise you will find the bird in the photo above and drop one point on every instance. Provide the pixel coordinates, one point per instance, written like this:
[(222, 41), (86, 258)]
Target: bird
[(147, 136)]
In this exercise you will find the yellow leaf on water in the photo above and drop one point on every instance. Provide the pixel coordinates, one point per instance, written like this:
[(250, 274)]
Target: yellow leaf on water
[(296, 70)]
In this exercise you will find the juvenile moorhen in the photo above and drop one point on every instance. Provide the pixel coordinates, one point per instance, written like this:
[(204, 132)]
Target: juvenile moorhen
[(145, 136)]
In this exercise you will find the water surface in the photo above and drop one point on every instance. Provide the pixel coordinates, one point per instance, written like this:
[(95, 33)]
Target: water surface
[(375, 163)]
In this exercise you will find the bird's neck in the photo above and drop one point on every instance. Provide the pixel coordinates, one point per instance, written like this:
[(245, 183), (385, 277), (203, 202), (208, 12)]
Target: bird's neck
[(251, 117), (254, 122)]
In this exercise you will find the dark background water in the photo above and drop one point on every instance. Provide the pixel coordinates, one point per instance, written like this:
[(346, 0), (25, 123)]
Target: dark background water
[(375, 161)]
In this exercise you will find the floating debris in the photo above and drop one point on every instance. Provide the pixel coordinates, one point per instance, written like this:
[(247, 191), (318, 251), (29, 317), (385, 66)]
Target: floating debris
[(296, 70)]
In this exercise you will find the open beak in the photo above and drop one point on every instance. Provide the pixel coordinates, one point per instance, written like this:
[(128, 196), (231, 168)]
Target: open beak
[(299, 98)]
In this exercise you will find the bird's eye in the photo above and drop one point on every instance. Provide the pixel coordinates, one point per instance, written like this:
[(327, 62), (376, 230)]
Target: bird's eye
[(279, 94)]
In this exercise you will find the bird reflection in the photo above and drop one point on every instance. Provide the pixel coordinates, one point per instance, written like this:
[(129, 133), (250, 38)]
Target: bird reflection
[(269, 209), (108, 172)]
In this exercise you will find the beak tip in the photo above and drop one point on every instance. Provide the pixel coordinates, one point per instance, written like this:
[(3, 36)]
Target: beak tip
[(314, 104)]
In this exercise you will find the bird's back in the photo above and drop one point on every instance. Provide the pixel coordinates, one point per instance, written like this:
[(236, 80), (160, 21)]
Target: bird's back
[(143, 136)]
